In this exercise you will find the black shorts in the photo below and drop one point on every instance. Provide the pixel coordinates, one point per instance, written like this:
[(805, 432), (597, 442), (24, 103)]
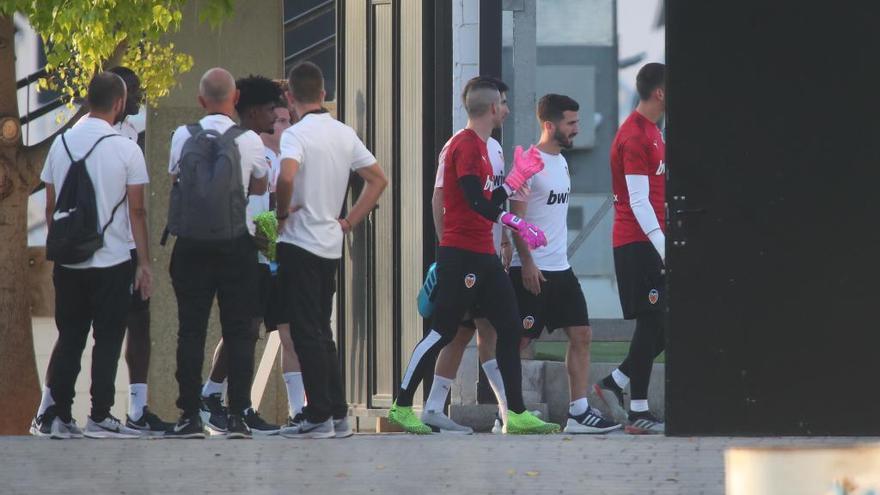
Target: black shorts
[(560, 304), (137, 304), (475, 283), (475, 313), (268, 298), (641, 279)]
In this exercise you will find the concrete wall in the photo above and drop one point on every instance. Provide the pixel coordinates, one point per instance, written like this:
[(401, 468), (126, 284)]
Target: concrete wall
[(250, 42), (465, 53)]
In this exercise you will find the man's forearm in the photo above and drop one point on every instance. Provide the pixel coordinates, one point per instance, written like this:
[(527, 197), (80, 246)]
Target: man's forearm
[(283, 193), (522, 248), (258, 187), (437, 211), (365, 203), (138, 219)]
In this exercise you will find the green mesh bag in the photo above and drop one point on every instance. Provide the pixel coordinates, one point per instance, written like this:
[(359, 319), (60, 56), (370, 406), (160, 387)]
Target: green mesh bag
[(267, 224)]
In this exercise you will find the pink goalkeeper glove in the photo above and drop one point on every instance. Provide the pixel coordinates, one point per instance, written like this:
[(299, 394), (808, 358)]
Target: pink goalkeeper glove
[(533, 236), (525, 165)]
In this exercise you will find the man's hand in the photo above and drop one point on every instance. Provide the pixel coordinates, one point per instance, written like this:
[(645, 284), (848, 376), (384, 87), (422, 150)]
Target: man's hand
[(532, 277), (260, 239), (506, 254), (532, 235), (143, 281), (525, 165), (281, 221), (345, 225)]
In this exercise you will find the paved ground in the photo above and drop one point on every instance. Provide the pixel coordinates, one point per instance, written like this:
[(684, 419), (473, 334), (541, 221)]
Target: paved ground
[(381, 464)]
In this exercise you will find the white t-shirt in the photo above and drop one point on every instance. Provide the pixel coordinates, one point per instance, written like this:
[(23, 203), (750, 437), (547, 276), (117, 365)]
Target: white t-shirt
[(548, 209), (327, 152), (259, 204), (250, 147), (113, 165), (128, 130), (496, 158)]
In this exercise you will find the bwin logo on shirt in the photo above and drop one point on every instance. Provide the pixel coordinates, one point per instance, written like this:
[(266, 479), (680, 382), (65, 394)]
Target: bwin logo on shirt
[(661, 169), (498, 180), (557, 198), (490, 183)]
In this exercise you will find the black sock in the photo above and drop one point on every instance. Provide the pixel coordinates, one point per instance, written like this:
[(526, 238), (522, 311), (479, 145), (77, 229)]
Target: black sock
[(609, 383)]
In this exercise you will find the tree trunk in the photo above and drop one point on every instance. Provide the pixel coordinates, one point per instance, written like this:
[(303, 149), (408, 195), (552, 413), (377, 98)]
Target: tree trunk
[(19, 382)]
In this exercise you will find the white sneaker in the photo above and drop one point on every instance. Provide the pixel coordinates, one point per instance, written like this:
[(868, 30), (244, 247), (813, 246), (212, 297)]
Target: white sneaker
[(110, 427), (440, 423), (72, 429), (307, 429), (342, 427)]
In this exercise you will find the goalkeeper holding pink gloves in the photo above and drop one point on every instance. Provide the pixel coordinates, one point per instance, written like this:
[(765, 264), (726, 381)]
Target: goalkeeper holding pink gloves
[(469, 273)]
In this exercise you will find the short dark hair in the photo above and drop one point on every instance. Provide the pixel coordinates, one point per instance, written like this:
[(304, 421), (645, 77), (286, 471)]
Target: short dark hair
[(481, 80), (551, 107), (128, 76), (650, 77), (104, 89), (256, 90), (306, 81)]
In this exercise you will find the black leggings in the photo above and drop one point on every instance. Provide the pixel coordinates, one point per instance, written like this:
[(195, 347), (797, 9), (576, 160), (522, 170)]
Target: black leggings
[(466, 279), (648, 342)]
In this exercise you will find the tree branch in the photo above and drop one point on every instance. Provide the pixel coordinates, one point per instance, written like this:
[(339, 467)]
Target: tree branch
[(35, 156)]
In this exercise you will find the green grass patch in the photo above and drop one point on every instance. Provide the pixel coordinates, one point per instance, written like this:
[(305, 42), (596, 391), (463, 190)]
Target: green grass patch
[(601, 352)]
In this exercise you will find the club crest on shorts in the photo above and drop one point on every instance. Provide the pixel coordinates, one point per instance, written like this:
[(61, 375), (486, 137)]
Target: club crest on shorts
[(653, 296), (528, 322), (469, 280)]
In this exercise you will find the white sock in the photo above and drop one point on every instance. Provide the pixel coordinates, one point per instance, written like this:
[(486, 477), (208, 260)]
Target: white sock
[(638, 405), (296, 392), (578, 407), (45, 401), (490, 368), (211, 388), (439, 391), (619, 378), (137, 399)]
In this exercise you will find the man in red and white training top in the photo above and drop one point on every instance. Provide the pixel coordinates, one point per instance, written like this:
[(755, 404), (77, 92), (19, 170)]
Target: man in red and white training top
[(638, 174), (469, 273), (449, 359)]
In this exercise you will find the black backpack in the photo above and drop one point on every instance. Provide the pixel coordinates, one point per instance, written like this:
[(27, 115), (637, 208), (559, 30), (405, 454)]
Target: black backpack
[(74, 235), (207, 199)]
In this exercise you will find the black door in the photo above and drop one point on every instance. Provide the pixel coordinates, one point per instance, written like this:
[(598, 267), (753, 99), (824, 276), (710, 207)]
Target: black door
[(774, 159)]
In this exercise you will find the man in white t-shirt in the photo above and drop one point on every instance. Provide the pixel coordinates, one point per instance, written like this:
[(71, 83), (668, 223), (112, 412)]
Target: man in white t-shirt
[(546, 287), (258, 97), (450, 357), (137, 342), (290, 366), (96, 292), (318, 154), (202, 269)]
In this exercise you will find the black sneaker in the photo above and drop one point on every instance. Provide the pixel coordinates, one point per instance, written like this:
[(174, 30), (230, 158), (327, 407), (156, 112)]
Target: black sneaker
[(213, 413), (237, 427), (41, 426), (591, 421), (257, 424), (644, 423), (188, 426), (149, 425), (295, 421), (612, 395)]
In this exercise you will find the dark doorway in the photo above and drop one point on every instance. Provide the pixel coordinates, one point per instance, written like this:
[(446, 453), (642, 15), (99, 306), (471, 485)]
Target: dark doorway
[(773, 265)]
